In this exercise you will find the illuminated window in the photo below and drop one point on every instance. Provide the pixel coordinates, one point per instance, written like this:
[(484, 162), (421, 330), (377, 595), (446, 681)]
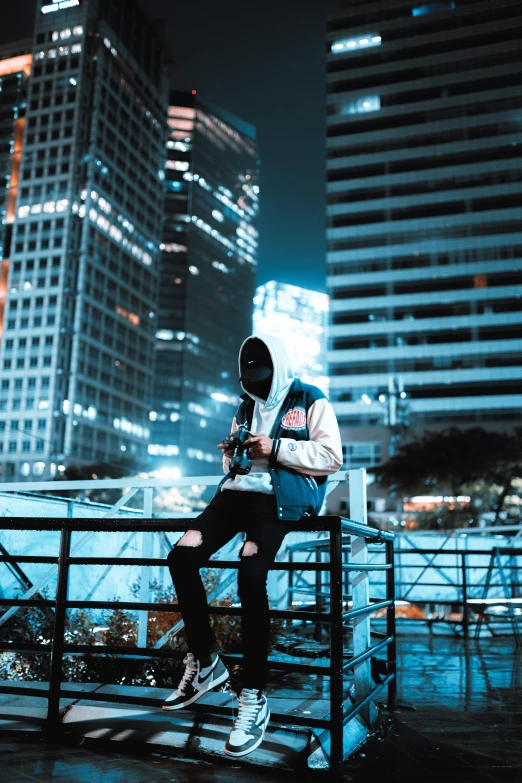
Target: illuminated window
[(186, 125), (177, 165), (157, 450), (355, 43), (361, 105), (361, 455), (432, 8), (182, 111)]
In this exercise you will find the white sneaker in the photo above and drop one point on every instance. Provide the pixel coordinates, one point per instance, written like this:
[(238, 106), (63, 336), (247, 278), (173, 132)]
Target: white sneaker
[(250, 725), (195, 682)]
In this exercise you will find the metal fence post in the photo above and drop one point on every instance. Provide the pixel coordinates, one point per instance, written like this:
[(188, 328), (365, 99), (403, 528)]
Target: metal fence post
[(391, 629), (465, 618), (146, 552), (336, 649), (360, 589), (55, 678)]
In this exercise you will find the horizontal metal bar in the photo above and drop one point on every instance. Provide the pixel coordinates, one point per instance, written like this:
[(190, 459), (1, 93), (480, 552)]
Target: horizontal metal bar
[(277, 717), (366, 609), (125, 483), (459, 552), (27, 559), (221, 610), (155, 561), (351, 664), (8, 646), (117, 524), (39, 602), (359, 529), (357, 707)]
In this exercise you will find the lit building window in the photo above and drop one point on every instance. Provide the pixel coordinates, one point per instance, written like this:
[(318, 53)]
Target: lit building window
[(177, 165), (186, 125), (432, 8), (173, 248), (157, 450), (59, 5), (165, 334), (361, 105), (182, 111), (361, 455), (355, 43)]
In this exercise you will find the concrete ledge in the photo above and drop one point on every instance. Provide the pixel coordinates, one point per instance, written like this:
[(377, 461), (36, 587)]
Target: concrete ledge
[(133, 714)]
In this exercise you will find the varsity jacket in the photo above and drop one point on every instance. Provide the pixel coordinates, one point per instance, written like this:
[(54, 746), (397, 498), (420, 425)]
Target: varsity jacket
[(299, 464)]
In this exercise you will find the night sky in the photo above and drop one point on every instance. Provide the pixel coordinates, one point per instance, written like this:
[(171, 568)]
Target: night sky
[(264, 61)]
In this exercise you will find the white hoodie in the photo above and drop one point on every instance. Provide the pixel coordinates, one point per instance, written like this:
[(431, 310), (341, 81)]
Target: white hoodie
[(318, 456)]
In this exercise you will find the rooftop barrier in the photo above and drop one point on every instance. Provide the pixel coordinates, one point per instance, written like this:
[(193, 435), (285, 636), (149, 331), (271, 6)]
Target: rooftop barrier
[(350, 711)]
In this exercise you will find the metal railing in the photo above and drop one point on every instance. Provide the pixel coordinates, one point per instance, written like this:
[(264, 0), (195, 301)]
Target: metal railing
[(371, 675), (467, 590)]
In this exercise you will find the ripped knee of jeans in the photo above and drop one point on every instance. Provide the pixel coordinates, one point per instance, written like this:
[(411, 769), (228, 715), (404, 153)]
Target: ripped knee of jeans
[(249, 549), (192, 538)]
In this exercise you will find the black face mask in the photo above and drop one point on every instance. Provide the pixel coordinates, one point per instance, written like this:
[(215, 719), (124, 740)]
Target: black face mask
[(259, 388)]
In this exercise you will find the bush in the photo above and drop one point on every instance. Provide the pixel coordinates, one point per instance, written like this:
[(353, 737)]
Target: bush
[(118, 628)]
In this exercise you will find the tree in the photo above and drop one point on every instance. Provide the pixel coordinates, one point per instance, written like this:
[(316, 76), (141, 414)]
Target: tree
[(456, 462)]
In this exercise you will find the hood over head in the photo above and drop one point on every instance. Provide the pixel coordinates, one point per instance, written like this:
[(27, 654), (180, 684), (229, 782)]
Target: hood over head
[(273, 349)]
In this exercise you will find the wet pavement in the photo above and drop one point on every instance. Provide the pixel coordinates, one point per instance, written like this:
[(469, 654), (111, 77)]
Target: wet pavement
[(465, 728)]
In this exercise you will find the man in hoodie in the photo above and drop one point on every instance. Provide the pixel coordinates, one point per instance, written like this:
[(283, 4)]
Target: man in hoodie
[(295, 445)]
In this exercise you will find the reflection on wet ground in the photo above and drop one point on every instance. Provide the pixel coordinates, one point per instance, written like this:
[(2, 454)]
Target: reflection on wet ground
[(465, 728)]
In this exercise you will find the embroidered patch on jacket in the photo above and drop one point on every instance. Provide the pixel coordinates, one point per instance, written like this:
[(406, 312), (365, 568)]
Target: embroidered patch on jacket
[(292, 446), (294, 419)]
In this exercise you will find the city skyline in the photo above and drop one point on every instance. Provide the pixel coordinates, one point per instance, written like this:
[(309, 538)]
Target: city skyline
[(273, 77)]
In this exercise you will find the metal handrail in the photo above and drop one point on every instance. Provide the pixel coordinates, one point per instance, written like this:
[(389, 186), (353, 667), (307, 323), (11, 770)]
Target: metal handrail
[(336, 667)]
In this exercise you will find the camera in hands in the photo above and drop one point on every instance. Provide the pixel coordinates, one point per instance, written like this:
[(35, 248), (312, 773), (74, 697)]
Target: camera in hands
[(241, 460)]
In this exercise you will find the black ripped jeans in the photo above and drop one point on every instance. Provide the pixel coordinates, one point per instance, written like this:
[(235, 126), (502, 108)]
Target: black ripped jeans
[(229, 513)]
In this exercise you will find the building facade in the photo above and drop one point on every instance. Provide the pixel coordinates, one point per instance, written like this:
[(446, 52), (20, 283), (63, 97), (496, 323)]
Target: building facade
[(299, 317), (15, 68), (208, 265), (80, 313), (424, 206)]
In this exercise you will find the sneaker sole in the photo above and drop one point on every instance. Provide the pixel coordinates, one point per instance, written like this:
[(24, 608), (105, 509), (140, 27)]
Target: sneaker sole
[(223, 678), (253, 747)]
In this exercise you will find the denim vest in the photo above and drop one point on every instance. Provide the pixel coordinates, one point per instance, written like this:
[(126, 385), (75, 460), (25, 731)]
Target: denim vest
[(297, 494)]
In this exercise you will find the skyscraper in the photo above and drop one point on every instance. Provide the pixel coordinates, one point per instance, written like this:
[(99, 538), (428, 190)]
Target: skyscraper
[(424, 198), (299, 317), (15, 67), (208, 264), (77, 348)]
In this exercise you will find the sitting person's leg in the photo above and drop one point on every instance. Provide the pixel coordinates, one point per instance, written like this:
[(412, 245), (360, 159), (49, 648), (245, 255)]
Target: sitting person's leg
[(203, 669), (264, 539)]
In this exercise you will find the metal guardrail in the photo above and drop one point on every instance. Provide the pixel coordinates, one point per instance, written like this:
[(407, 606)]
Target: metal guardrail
[(484, 585), (371, 675)]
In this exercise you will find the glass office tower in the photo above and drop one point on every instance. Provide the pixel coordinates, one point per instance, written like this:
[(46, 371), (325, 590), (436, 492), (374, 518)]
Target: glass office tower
[(424, 207), (299, 317), (208, 265), (15, 68), (79, 324)]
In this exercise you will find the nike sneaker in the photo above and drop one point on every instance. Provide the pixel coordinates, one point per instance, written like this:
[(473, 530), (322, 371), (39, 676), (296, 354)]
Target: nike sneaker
[(250, 725), (195, 682)]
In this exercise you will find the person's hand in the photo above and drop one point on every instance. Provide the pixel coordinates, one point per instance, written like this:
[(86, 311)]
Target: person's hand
[(227, 451), (259, 445)]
